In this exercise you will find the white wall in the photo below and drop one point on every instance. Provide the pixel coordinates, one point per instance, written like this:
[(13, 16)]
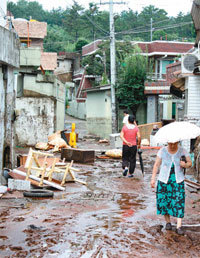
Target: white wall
[(98, 111), (193, 107), (3, 12)]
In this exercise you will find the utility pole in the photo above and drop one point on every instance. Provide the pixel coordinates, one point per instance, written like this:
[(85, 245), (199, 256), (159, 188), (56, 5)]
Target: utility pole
[(112, 63), (112, 68), (151, 28)]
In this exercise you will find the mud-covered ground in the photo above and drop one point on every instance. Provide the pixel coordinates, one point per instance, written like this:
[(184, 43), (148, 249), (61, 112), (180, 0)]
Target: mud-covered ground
[(112, 216)]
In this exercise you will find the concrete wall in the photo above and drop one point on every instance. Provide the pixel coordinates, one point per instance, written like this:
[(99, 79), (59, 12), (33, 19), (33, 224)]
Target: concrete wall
[(152, 106), (65, 65), (9, 48), (41, 108), (77, 109), (36, 120), (98, 109), (9, 60), (51, 87), (30, 56), (7, 126)]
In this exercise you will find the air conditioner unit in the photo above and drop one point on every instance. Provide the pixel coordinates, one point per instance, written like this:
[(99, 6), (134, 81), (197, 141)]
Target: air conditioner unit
[(188, 62)]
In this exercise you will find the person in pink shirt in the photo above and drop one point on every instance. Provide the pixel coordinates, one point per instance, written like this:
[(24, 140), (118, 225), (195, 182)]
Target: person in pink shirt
[(130, 136)]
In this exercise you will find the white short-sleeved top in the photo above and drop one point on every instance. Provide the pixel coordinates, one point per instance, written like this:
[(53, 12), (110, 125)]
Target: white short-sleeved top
[(167, 160), (125, 120)]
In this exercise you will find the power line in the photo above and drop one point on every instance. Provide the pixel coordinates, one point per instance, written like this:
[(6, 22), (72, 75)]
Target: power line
[(154, 29), (94, 24)]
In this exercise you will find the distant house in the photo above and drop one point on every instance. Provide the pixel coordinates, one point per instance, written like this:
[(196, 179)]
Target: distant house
[(160, 102), (187, 82), (98, 111), (31, 33), (161, 54), (40, 95), (69, 71)]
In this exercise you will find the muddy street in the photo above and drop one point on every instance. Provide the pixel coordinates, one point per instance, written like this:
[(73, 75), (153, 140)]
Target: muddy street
[(112, 216)]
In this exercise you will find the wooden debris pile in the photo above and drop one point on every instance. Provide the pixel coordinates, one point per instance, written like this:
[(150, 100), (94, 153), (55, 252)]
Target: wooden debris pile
[(55, 142), (41, 172)]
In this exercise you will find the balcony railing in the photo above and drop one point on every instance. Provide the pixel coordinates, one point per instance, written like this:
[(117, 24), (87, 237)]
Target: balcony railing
[(156, 76)]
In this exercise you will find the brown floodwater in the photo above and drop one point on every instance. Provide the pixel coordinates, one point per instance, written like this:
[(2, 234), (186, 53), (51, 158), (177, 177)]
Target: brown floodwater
[(112, 216)]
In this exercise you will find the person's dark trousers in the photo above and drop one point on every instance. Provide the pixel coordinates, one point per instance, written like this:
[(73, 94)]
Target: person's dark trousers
[(129, 157)]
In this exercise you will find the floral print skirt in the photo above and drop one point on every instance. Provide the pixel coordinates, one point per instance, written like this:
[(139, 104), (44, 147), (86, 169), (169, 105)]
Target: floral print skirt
[(170, 197)]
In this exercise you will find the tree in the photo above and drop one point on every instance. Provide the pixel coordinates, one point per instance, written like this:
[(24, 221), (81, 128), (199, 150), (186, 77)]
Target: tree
[(76, 22), (159, 35), (130, 86), (99, 62), (25, 9), (80, 43), (73, 20), (55, 17), (56, 40)]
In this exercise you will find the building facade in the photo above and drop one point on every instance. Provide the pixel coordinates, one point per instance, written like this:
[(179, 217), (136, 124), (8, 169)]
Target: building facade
[(9, 63)]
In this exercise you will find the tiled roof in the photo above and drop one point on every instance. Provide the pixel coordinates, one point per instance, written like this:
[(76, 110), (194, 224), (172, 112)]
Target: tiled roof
[(36, 29), (165, 47), (49, 61), (68, 55)]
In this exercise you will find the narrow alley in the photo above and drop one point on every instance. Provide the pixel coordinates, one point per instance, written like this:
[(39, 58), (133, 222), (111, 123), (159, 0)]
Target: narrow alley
[(112, 216)]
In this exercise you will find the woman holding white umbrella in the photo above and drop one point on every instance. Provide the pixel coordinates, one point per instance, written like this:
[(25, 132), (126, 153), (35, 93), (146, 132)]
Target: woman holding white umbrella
[(170, 194)]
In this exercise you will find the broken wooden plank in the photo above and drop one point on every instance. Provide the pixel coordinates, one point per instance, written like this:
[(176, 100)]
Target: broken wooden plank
[(192, 184), (38, 180), (78, 155)]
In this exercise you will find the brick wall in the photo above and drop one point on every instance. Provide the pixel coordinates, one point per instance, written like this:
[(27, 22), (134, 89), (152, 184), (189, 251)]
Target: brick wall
[(90, 48)]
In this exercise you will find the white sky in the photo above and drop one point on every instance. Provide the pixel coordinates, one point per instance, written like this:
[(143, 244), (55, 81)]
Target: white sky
[(172, 7)]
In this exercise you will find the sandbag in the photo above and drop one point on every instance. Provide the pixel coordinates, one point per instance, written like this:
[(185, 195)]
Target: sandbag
[(54, 136), (42, 146), (114, 153), (145, 142), (59, 142)]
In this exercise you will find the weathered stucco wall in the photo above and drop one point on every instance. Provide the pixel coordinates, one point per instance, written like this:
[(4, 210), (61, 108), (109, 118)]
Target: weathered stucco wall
[(30, 56), (9, 60), (36, 120), (98, 110), (152, 104), (2, 122), (47, 86), (77, 109), (7, 130), (9, 47)]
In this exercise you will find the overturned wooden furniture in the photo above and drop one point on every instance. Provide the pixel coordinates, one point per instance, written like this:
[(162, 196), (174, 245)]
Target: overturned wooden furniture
[(78, 155), (42, 171)]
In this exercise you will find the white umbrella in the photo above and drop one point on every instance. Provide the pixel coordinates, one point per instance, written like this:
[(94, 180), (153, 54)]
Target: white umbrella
[(177, 131)]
